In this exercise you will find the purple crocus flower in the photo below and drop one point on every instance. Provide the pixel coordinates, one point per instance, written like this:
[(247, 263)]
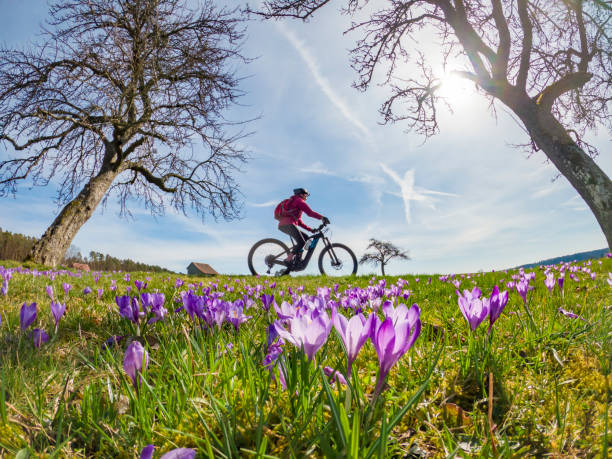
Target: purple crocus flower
[(39, 337), (140, 285), (178, 283), (550, 281), (100, 292), (136, 360), (66, 288), (218, 313), (274, 352), (285, 311), (569, 314), (128, 308), (392, 341), (335, 375), (236, 315), (193, 304), (497, 303), (113, 285), (113, 341), (27, 315), (157, 307), (180, 453), (308, 332), (560, 282), (49, 290), (57, 309), (522, 287), (266, 301), (473, 308), (147, 452), (354, 332), (87, 290), (272, 334), (146, 300), (4, 289)]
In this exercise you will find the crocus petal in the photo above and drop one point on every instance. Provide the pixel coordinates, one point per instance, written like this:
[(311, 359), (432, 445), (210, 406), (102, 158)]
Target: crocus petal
[(384, 341), (57, 309), (136, 359), (335, 375), (27, 315), (39, 337), (180, 453), (147, 452)]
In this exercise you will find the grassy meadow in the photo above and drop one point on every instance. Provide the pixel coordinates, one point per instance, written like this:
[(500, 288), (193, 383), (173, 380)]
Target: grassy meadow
[(537, 384)]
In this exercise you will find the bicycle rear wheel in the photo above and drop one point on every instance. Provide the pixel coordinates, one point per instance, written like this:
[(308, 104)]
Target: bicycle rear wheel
[(266, 255), (337, 260)]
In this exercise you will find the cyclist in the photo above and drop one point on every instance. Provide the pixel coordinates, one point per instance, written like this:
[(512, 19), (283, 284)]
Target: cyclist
[(291, 217)]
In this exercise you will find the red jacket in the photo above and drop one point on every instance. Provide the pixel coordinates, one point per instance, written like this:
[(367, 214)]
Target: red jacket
[(296, 202)]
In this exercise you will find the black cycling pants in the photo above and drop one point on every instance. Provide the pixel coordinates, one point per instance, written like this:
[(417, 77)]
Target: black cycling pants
[(298, 237)]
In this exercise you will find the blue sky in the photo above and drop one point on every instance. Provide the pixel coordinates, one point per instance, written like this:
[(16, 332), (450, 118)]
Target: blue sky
[(464, 200)]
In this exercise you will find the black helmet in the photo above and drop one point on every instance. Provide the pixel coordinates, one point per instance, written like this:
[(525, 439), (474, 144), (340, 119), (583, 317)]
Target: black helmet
[(297, 191)]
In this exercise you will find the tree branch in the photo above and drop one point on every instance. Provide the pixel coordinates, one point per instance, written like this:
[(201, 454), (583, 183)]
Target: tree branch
[(500, 65), (159, 182), (569, 82), (527, 28)]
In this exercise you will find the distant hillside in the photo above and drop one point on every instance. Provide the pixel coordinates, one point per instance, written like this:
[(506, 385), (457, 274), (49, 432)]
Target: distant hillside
[(15, 246), (565, 258)]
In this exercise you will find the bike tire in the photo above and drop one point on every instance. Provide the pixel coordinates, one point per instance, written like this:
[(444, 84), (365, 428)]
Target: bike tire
[(270, 246), (346, 256)]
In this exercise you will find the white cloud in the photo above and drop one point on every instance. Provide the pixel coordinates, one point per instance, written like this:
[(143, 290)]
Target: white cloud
[(576, 203), (542, 192), (263, 204), (317, 168)]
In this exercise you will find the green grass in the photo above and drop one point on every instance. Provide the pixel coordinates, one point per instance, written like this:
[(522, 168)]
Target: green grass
[(71, 398)]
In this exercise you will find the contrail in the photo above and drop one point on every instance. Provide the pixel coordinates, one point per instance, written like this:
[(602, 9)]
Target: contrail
[(325, 86)]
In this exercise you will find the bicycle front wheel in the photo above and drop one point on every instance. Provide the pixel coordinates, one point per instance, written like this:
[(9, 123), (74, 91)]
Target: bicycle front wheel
[(265, 256), (337, 260)]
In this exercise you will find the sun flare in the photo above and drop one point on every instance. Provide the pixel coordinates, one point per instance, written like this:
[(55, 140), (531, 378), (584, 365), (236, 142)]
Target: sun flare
[(456, 90)]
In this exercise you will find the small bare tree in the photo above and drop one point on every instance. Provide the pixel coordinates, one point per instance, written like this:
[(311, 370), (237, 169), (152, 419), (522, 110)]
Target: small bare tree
[(383, 252), (124, 96)]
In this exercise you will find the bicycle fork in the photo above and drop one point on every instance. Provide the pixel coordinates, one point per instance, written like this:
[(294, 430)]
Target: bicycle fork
[(334, 258)]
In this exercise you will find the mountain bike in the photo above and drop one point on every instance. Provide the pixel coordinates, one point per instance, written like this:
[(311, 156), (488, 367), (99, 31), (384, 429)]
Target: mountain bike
[(334, 260)]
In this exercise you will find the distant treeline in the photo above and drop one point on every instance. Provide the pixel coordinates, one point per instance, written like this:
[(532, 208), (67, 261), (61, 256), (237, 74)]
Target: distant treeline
[(15, 246), (567, 258)]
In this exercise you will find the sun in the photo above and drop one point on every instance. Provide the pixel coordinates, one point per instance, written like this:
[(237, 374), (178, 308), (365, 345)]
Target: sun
[(455, 90)]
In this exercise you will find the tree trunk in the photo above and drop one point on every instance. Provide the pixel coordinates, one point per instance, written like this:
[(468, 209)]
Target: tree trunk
[(382, 267), (52, 246), (589, 180)]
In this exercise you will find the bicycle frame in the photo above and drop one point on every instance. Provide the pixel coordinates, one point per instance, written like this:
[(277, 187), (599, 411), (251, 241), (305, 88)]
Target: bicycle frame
[(312, 245)]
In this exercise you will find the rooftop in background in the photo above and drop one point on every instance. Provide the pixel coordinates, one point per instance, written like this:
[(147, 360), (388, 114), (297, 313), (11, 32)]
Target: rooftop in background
[(201, 269)]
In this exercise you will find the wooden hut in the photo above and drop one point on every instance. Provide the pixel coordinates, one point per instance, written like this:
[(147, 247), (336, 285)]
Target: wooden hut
[(201, 269)]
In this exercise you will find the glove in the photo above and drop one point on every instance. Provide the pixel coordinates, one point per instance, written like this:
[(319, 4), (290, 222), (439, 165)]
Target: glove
[(325, 220)]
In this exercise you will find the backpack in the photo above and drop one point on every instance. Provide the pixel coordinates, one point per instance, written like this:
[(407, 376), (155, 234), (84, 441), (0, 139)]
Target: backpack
[(284, 209)]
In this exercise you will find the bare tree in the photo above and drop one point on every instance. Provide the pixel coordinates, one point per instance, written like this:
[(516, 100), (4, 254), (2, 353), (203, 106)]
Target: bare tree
[(382, 254), (124, 97), (548, 61)]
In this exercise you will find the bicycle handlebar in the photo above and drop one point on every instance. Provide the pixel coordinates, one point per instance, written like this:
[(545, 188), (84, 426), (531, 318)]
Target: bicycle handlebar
[(321, 226)]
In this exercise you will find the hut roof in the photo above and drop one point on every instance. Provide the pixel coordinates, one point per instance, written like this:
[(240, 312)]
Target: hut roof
[(205, 268)]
